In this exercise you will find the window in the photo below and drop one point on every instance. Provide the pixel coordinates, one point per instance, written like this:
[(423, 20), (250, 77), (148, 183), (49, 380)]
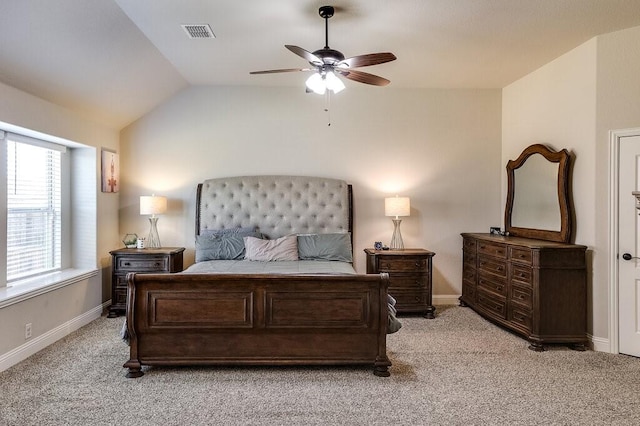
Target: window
[(48, 213), (34, 208)]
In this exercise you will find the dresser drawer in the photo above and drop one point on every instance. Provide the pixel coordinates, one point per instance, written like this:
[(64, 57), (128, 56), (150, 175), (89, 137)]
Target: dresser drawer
[(494, 305), (521, 274), (520, 317), (407, 281), (468, 273), (492, 285), (521, 254), (402, 264), (120, 296), (142, 264), (492, 266), (120, 281), (522, 296), (406, 300), (497, 250), (469, 258), (469, 245), (469, 291)]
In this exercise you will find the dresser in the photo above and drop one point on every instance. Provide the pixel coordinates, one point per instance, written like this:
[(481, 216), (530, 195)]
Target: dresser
[(125, 260), (409, 277), (535, 288)]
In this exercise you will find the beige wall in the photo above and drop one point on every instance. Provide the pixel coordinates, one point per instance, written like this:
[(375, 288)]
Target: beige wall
[(573, 102), (51, 310), (439, 147)]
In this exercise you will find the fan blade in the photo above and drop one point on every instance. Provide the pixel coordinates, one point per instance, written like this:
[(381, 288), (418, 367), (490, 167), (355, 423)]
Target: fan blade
[(363, 77), (304, 54), (367, 60), (282, 70)]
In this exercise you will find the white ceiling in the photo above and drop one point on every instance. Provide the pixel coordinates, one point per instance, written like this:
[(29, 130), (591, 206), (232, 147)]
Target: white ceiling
[(114, 60)]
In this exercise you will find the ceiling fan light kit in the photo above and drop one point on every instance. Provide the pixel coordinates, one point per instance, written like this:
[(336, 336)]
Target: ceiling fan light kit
[(320, 83), (328, 64)]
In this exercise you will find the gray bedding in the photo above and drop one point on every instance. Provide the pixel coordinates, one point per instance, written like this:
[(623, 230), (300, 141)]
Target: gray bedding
[(280, 267)]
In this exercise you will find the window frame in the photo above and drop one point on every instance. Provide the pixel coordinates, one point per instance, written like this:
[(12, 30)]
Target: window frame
[(79, 219)]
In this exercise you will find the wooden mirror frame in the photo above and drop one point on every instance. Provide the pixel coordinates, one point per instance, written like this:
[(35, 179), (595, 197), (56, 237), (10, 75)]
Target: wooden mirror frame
[(563, 158)]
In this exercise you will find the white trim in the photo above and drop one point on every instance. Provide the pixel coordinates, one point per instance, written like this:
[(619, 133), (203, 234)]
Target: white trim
[(24, 351), (446, 299), (614, 165), (16, 293), (16, 137), (599, 344)]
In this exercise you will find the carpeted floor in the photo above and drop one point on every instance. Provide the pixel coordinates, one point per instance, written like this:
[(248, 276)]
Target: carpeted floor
[(456, 369)]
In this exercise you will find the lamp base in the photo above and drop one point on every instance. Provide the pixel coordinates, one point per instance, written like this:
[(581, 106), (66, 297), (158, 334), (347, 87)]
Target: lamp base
[(153, 240), (396, 238)]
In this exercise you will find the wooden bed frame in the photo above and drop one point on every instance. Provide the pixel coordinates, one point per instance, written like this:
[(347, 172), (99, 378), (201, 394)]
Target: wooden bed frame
[(236, 319)]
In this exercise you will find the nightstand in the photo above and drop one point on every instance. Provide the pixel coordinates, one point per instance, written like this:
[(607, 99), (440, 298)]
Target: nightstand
[(125, 260), (409, 277)]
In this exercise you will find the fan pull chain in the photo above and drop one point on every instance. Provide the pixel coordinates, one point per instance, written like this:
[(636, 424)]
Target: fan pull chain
[(327, 106)]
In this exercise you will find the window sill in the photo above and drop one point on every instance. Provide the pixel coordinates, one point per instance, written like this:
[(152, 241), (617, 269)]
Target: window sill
[(33, 287)]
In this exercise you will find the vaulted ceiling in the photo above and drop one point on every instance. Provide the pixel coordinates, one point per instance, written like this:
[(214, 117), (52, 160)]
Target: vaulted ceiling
[(112, 61)]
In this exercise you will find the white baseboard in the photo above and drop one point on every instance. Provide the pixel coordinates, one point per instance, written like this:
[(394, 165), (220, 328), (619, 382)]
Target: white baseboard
[(599, 344), (24, 351), (446, 299)]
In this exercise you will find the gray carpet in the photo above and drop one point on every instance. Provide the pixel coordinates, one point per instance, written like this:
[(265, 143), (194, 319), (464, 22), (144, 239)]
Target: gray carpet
[(456, 369)]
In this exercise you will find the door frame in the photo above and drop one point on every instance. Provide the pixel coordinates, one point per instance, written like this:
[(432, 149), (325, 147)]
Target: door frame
[(615, 137)]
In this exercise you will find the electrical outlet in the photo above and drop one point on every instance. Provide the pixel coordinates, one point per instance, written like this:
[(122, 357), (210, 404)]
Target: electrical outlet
[(27, 331)]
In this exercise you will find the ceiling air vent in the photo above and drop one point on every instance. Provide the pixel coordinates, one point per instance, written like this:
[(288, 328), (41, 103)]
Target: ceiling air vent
[(198, 31)]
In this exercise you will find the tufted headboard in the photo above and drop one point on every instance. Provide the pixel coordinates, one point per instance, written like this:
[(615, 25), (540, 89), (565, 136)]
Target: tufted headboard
[(276, 205)]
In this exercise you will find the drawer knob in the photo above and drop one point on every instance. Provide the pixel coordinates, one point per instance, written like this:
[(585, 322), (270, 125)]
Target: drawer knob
[(127, 264), (499, 268), (521, 296)]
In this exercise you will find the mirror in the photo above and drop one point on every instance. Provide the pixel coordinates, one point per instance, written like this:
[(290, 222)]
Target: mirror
[(538, 195)]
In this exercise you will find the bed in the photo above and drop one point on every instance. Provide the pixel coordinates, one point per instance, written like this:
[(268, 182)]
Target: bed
[(248, 300)]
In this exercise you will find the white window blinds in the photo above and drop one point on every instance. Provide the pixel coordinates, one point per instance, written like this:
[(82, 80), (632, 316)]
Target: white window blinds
[(33, 207)]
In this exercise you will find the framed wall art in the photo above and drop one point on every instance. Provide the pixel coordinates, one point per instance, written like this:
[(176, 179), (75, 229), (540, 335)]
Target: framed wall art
[(110, 171)]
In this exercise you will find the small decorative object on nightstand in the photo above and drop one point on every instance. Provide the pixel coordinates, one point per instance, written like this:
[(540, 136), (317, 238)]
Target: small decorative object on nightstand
[(130, 240), (409, 275), (125, 260)]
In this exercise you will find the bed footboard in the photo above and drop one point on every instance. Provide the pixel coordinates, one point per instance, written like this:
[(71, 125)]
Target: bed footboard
[(205, 319)]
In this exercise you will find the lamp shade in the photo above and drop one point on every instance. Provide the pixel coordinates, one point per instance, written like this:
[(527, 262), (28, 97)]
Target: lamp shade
[(397, 206), (152, 204)]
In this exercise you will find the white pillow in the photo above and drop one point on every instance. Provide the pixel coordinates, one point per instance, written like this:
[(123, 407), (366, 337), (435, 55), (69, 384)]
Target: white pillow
[(284, 248)]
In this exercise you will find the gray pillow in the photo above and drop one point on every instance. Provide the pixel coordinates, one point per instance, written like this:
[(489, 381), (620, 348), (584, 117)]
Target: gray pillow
[(325, 247), (228, 246)]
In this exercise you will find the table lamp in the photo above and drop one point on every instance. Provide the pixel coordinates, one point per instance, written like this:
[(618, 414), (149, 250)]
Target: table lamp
[(397, 206), (153, 205)]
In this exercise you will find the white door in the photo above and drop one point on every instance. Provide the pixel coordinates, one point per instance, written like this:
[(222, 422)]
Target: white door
[(629, 247)]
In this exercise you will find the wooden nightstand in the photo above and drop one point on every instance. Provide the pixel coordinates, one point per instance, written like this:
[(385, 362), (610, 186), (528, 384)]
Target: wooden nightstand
[(409, 275), (123, 261)]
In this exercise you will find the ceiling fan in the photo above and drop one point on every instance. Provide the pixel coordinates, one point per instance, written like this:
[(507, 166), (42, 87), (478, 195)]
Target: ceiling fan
[(329, 63)]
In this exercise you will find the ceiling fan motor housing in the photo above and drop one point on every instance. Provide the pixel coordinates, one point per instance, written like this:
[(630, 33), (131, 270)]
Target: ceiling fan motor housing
[(328, 56)]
